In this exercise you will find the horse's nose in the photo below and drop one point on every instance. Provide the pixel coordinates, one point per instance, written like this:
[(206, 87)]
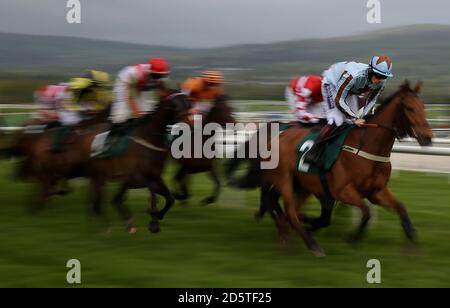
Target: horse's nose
[(425, 140)]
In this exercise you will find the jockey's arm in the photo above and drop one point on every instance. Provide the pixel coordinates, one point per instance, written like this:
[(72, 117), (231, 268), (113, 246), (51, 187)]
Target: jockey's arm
[(131, 97), (133, 106), (344, 86), (300, 109), (372, 100), (68, 102)]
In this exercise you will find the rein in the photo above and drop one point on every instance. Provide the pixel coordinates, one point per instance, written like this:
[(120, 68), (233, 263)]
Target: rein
[(358, 151), (147, 144)]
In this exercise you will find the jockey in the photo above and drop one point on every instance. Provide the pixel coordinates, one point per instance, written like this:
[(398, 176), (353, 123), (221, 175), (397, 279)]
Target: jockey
[(202, 90), (84, 96), (342, 85), (50, 99), (130, 83), (304, 96), (90, 93)]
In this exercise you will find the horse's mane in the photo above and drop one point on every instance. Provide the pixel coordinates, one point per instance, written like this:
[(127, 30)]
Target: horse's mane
[(403, 89), (220, 110), (162, 102), (403, 129)]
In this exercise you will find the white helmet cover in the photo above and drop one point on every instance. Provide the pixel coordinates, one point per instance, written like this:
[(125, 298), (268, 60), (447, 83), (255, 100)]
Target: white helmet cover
[(382, 65)]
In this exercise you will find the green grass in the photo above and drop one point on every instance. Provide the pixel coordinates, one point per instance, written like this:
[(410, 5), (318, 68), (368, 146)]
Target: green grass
[(219, 245)]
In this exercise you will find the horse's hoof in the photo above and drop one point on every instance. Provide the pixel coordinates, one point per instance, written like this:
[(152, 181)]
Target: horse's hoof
[(107, 232), (283, 238), (64, 192), (184, 203), (355, 238), (258, 216), (154, 227), (209, 200), (180, 197), (319, 253)]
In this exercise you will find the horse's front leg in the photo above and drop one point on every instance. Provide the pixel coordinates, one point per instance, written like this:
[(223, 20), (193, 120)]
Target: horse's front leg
[(324, 219), (386, 198), (124, 212), (351, 196), (154, 225)]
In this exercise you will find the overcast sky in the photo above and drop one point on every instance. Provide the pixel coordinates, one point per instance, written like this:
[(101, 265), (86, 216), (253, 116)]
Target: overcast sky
[(208, 23)]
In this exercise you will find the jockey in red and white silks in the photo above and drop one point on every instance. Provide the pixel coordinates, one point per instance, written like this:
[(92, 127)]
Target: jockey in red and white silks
[(344, 82), (131, 81), (304, 96)]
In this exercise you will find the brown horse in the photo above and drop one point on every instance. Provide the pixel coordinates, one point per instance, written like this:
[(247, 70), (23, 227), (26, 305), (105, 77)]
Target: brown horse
[(140, 167), (35, 138), (222, 114), (353, 177)]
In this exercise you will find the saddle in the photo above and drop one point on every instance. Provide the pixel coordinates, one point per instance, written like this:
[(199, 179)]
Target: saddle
[(331, 147), (116, 141), (60, 137)]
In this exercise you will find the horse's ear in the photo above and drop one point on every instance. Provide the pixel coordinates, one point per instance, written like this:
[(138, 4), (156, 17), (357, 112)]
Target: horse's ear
[(406, 85), (418, 87)]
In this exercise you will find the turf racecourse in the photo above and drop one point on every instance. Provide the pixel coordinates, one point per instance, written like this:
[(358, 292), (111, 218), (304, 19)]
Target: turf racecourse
[(219, 245)]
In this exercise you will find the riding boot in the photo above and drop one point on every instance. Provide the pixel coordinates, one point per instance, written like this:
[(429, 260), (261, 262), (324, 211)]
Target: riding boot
[(59, 136), (114, 135), (315, 154)]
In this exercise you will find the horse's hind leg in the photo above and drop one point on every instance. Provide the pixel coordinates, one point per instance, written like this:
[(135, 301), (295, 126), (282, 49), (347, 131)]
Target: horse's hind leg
[(264, 202), (290, 203), (387, 199), (181, 179), (269, 202), (159, 187), (64, 188), (216, 192), (97, 186), (154, 225), (98, 194), (124, 212)]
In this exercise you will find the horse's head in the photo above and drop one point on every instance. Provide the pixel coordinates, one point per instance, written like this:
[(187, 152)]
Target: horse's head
[(221, 113), (410, 118), (412, 111), (176, 104)]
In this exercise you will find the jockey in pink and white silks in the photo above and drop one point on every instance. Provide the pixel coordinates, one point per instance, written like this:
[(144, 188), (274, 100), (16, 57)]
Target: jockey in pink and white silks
[(52, 100), (343, 83), (304, 96)]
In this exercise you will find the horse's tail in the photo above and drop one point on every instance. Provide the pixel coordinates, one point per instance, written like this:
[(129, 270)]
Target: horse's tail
[(252, 177), (7, 152)]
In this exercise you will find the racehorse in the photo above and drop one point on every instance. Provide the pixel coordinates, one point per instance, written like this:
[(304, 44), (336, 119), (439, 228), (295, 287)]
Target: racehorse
[(361, 171), (221, 114), (140, 167)]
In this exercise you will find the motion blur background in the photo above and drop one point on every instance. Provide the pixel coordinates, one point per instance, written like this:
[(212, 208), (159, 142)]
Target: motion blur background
[(259, 45)]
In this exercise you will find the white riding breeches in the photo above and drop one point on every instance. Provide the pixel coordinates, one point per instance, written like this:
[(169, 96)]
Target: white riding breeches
[(68, 118)]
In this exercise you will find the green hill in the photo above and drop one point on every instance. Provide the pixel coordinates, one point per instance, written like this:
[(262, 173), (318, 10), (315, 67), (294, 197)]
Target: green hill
[(418, 51)]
